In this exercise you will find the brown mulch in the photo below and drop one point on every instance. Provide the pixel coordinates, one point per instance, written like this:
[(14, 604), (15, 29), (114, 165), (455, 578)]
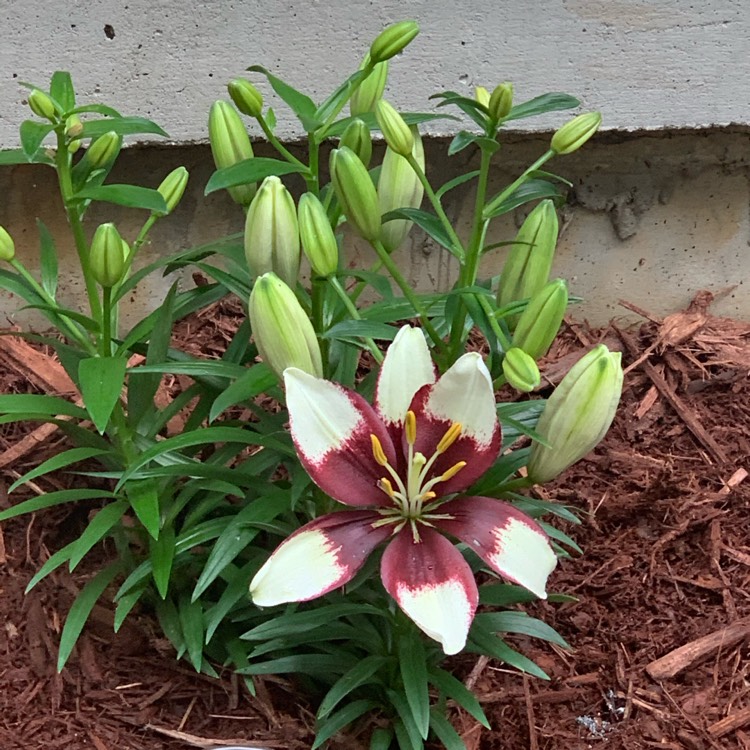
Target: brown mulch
[(659, 634)]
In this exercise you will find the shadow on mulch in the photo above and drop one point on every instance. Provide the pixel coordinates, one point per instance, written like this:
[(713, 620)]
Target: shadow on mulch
[(666, 566)]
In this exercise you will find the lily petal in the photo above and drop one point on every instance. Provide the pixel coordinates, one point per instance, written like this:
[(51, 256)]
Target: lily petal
[(463, 395), (332, 427), (432, 584), (509, 541), (319, 557), (406, 368)]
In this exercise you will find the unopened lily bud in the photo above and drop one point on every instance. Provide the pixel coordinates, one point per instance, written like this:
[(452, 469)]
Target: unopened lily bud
[(246, 97), (230, 144), (520, 370), (107, 255), (7, 246), (539, 323), (272, 233), (399, 187), (396, 132), (73, 130), (392, 40), (482, 96), (104, 150), (368, 93), (282, 330), (357, 137), (356, 193), (571, 136), (173, 186), (527, 267), (42, 106), (578, 413), (501, 101), (318, 239)]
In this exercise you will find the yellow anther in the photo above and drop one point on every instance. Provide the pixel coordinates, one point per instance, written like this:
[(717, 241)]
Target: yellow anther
[(427, 496), (410, 427), (452, 471), (450, 437), (385, 485), (377, 451)]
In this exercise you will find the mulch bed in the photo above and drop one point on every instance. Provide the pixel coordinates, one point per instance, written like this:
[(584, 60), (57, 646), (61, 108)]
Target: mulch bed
[(660, 631)]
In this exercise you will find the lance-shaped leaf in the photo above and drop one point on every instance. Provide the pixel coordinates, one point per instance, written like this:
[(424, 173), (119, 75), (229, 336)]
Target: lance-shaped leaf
[(433, 584)]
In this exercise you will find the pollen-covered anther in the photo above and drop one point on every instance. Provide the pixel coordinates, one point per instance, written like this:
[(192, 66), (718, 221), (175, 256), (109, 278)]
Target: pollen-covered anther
[(377, 451), (410, 427), (451, 435), (450, 473)]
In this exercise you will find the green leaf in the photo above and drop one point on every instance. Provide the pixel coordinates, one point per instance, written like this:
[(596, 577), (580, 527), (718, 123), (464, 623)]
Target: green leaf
[(62, 91), (12, 156), (53, 563), (342, 718), (80, 610), (312, 664), (47, 259), (131, 196), (455, 182), (100, 109), (121, 126), (339, 96), (413, 664), (358, 675), (445, 732), (454, 689), (531, 190), (505, 594), (471, 107), (125, 606), (519, 622), (352, 330), (50, 499), (463, 139), (483, 641), (57, 462), (301, 104), (99, 526), (26, 404), (197, 368), (250, 170), (101, 380), (551, 102), (191, 622), (144, 500), (169, 619), (412, 736), (430, 224), (235, 591), (56, 312), (252, 382), (410, 118), (32, 134)]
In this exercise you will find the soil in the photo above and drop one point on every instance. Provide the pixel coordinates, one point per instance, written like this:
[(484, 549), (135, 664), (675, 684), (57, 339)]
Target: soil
[(659, 631)]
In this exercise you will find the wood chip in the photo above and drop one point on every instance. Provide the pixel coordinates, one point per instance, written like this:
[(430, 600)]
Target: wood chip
[(728, 724)]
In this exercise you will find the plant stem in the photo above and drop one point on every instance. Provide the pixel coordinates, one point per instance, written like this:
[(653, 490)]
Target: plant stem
[(403, 284), (498, 199), (313, 155), (278, 145), (105, 341), (354, 313), (503, 340), (65, 181), (317, 294)]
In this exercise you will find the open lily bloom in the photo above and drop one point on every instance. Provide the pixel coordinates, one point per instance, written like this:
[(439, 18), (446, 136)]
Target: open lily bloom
[(400, 465)]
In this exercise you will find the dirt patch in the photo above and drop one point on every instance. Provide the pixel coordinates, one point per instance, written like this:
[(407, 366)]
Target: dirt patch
[(660, 631)]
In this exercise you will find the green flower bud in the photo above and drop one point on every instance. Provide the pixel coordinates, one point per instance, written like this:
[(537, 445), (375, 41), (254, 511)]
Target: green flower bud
[(357, 137), (527, 267), (107, 255), (282, 331), (501, 101), (318, 239), (578, 414), (73, 130), (482, 96), (399, 187), (272, 233), (104, 150), (520, 370), (392, 40), (172, 188), (356, 193), (246, 97), (42, 106), (571, 136), (230, 144), (539, 323), (7, 246), (396, 132), (368, 93)]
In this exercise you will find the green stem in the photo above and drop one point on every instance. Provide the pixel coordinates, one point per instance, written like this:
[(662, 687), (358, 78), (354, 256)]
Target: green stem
[(354, 313), (320, 133), (70, 329), (403, 284), (105, 341), (503, 340), (498, 199), (317, 295), (65, 180), (458, 247), (278, 145), (313, 155)]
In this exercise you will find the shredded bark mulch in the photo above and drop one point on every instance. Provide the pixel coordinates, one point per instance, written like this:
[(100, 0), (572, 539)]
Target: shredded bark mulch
[(659, 631)]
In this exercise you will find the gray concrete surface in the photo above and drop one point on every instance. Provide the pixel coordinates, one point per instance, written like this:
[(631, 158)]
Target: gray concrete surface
[(643, 63), (652, 218)]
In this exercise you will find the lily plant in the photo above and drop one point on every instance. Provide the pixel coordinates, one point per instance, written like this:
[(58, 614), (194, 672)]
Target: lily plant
[(402, 464)]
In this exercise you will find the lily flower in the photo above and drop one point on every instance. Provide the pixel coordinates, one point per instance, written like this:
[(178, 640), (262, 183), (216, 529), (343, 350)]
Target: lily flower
[(399, 465)]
